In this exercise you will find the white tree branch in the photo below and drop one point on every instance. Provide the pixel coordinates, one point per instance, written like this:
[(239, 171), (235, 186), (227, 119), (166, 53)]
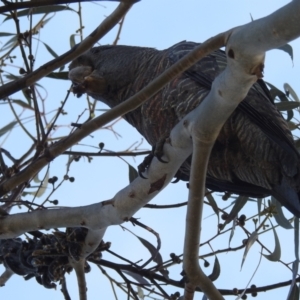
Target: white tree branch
[(245, 50)]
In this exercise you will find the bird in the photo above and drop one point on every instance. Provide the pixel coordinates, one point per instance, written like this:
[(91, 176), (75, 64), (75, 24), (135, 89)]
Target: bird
[(254, 154)]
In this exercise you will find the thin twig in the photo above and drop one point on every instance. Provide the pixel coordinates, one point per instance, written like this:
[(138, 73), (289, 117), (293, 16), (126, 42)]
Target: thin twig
[(79, 153), (115, 42), (107, 24)]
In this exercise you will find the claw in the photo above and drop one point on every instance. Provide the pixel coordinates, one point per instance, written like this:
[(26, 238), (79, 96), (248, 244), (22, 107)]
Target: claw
[(180, 175), (141, 175), (161, 160), (145, 165), (175, 180), (177, 177), (158, 150)]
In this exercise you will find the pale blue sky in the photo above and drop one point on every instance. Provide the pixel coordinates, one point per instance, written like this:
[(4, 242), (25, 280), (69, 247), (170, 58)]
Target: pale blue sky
[(159, 24)]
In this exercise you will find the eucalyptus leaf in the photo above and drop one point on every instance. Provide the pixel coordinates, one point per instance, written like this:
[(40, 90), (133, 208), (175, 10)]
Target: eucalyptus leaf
[(10, 43), (216, 270), (132, 172), (232, 231), (282, 106), (238, 205), (251, 240), (295, 270), (137, 277), (50, 50), (275, 92), (72, 40), (279, 216), (12, 76), (41, 10), (140, 292), (8, 127), (43, 185), (292, 126), (290, 91), (259, 202), (294, 290), (6, 34), (296, 237), (276, 254), (213, 203), (155, 256), (293, 293), (22, 104), (58, 75)]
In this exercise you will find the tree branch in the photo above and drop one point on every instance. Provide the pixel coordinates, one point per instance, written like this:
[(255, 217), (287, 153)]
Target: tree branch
[(119, 110), (9, 6), (245, 64), (245, 48), (28, 80)]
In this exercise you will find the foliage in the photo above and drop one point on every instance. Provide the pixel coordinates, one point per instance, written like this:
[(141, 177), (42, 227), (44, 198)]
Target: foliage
[(35, 121)]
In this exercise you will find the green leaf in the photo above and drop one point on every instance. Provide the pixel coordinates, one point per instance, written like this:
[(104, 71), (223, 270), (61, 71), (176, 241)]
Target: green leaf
[(294, 290), (10, 43), (276, 254), (45, 21), (288, 49), (6, 34), (216, 270), (137, 277), (250, 242), (290, 92), (43, 185), (140, 292), (12, 76), (22, 104), (154, 252), (41, 10), (259, 202), (72, 40), (292, 126), (58, 75), (239, 204), (294, 293), (52, 52), (27, 96), (296, 237), (213, 203), (232, 231), (282, 106), (279, 217), (295, 268), (133, 174), (275, 92), (8, 127)]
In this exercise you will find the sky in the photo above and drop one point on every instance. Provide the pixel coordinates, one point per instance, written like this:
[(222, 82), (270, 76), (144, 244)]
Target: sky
[(158, 24)]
